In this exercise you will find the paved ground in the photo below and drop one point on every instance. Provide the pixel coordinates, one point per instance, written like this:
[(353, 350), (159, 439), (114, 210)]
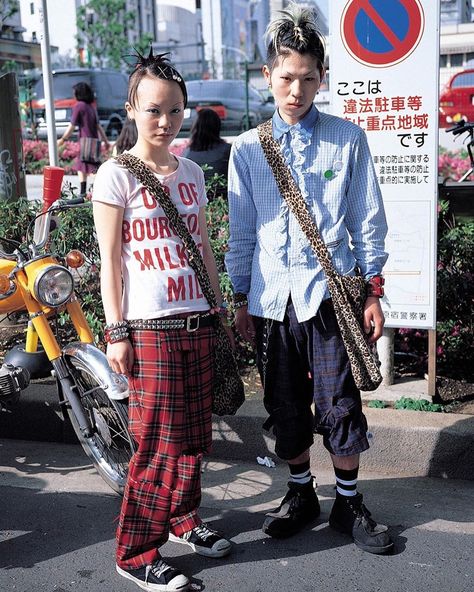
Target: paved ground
[(58, 521), (56, 530)]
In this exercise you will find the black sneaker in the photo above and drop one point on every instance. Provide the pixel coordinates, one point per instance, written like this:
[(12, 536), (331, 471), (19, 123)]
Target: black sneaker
[(299, 507), (204, 541), (350, 516), (159, 577)]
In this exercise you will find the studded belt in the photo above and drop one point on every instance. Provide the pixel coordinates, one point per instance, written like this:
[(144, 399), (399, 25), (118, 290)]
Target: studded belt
[(191, 323)]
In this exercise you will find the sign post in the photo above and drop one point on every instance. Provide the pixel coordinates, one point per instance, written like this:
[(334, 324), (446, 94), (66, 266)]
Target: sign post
[(384, 77)]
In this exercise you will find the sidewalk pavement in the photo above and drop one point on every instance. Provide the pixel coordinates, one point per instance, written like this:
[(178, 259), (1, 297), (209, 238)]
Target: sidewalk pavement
[(408, 442), (403, 442), (58, 521)]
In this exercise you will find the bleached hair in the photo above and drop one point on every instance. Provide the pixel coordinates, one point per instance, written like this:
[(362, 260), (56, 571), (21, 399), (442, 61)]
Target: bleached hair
[(296, 29)]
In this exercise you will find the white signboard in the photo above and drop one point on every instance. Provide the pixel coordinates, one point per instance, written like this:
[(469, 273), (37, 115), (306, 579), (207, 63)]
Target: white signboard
[(384, 68)]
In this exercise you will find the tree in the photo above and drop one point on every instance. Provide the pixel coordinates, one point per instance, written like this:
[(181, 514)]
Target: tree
[(102, 29), (7, 9)]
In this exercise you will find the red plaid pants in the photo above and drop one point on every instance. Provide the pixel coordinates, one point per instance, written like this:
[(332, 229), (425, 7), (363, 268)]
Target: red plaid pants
[(170, 419)]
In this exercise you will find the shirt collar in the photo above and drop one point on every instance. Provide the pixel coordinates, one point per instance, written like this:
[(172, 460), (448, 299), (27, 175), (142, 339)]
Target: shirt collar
[(304, 127)]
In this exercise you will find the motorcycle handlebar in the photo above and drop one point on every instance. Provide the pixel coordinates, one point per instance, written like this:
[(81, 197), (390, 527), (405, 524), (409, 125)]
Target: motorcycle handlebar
[(42, 226), (461, 127), (43, 220)]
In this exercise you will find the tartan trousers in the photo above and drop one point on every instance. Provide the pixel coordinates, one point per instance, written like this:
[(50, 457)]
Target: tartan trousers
[(170, 419)]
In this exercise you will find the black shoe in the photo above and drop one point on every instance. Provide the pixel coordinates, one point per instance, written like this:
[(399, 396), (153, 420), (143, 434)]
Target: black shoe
[(158, 577), (299, 507), (350, 516), (204, 541)]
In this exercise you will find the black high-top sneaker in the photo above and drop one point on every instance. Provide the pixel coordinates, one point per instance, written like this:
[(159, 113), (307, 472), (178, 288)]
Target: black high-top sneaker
[(350, 516), (299, 507)]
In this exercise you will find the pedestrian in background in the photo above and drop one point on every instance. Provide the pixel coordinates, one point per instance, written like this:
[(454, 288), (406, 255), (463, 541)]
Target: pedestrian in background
[(160, 335), (85, 117), (127, 137), (280, 291), (206, 146)]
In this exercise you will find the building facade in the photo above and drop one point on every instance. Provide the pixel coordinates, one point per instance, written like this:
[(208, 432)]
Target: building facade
[(454, 12)]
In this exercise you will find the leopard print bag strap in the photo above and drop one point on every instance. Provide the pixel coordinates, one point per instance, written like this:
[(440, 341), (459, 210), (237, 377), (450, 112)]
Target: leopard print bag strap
[(145, 175), (348, 293)]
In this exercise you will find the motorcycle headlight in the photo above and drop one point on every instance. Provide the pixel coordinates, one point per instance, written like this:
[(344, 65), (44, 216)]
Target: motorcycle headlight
[(54, 285)]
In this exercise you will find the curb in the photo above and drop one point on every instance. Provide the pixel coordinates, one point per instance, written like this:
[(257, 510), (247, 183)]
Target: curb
[(412, 443)]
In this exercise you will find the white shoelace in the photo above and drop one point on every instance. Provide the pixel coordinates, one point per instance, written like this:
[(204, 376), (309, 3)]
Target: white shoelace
[(203, 531), (157, 569)]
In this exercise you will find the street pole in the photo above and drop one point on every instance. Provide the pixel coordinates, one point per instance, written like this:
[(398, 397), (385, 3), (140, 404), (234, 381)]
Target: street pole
[(246, 78), (247, 117), (47, 82)]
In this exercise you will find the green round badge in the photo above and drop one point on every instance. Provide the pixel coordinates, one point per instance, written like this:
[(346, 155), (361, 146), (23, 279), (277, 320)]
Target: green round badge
[(328, 174)]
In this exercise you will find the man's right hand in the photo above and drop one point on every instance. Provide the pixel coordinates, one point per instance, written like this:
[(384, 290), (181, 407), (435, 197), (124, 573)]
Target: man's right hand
[(245, 325)]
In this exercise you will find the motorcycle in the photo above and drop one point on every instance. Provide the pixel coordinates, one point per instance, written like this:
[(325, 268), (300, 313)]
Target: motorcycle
[(34, 281)]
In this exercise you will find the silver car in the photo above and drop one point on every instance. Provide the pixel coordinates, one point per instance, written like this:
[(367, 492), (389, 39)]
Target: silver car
[(228, 99)]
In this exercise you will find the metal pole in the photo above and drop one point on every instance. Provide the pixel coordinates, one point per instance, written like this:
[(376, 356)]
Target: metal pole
[(247, 117), (385, 349), (246, 65), (432, 362), (47, 82)]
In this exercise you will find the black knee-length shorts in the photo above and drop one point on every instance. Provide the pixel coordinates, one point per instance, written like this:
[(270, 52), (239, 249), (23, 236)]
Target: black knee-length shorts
[(302, 363)]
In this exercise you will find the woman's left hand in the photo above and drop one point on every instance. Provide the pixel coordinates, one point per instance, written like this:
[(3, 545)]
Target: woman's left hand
[(374, 319), (227, 327)]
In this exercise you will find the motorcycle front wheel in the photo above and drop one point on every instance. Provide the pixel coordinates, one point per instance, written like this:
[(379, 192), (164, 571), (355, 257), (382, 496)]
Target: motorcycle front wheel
[(110, 448)]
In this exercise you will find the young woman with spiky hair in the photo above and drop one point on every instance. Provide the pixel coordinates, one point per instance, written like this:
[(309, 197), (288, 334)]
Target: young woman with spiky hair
[(160, 332), (281, 295)]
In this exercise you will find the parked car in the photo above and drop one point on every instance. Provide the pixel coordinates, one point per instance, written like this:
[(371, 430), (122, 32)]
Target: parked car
[(110, 90), (457, 99), (228, 99)]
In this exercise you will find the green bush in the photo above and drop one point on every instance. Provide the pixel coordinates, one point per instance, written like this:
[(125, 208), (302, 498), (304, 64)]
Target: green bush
[(455, 296), (15, 217), (418, 405)]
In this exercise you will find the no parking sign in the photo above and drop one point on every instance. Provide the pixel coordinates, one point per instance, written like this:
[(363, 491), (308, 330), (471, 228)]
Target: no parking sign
[(384, 70), (381, 33)]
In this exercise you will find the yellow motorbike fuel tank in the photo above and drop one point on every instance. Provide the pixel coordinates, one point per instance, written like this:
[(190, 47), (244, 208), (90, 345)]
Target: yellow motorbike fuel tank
[(14, 301)]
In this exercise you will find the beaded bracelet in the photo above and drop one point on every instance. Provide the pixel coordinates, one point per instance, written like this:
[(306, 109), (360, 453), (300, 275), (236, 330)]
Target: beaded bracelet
[(240, 304), (240, 300)]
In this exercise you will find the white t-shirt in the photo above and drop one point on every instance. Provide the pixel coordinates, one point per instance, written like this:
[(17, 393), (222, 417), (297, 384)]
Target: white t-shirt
[(157, 278)]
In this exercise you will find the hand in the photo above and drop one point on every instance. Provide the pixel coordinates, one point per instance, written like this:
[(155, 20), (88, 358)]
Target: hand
[(60, 142), (245, 325), (374, 319), (120, 357)]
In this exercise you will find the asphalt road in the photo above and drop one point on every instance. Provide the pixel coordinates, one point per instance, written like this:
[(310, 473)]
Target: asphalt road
[(58, 520)]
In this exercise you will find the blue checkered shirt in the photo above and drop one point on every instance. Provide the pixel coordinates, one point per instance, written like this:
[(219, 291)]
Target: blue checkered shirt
[(269, 256)]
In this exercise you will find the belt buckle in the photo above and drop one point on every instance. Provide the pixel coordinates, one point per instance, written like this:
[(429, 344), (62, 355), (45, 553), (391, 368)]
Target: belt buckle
[(189, 327)]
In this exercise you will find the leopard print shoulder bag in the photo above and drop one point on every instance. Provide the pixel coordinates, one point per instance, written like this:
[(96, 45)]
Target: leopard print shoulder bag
[(228, 388), (348, 293)]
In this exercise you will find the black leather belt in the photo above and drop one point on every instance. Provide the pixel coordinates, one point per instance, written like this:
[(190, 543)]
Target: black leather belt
[(191, 323)]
